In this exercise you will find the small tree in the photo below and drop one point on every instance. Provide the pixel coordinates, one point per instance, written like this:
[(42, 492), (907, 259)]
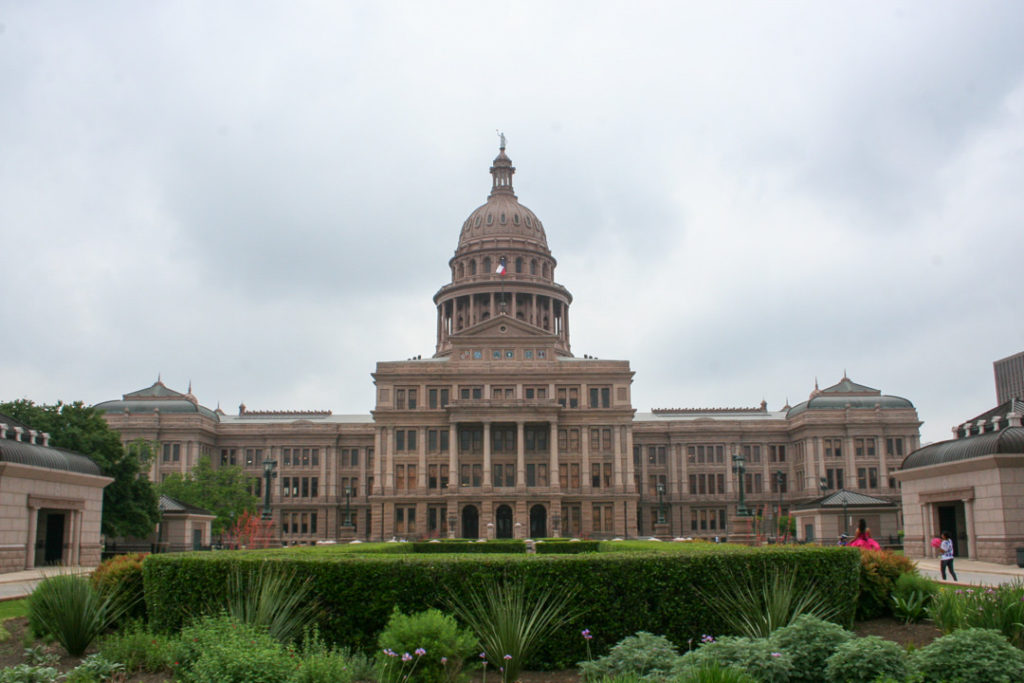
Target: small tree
[(225, 491)]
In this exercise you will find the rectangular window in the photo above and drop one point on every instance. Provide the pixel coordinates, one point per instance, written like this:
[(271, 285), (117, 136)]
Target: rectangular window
[(432, 398), (862, 477), (873, 477), (286, 487), (894, 446), (412, 399), (305, 487), (399, 440), (399, 477), (400, 399), (431, 440), (314, 487)]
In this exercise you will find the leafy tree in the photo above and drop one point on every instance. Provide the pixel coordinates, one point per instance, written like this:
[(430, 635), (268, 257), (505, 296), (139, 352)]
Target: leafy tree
[(130, 501), (224, 491)]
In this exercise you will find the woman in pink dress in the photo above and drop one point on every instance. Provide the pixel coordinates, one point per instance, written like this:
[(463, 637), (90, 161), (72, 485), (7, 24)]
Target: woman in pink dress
[(863, 538)]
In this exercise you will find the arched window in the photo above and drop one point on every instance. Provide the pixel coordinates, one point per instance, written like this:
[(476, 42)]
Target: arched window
[(533, 267), (462, 271), (472, 267), (519, 264), (546, 270), (487, 265)]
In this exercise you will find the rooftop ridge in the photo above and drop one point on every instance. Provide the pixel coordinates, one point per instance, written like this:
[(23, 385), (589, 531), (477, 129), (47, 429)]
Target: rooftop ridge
[(763, 408), (245, 412)]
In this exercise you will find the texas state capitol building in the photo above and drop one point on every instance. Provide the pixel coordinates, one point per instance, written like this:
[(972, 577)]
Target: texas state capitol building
[(504, 433)]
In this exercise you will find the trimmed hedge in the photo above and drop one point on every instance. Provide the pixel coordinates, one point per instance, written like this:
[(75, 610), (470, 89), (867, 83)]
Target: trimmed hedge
[(622, 592), (503, 546), (568, 547)]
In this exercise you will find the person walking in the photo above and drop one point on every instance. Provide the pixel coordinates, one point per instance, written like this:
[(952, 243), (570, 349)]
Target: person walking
[(947, 556)]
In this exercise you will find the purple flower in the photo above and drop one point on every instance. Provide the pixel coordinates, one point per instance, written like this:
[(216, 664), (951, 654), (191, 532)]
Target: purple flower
[(707, 639), (507, 657), (420, 652), (586, 634), (776, 654), (483, 655), (406, 657), (444, 660)]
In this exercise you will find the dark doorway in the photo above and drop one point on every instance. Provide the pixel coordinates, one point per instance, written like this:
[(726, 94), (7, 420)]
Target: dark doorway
[(504, 522), (197, 539), (53, 547), (949, 521), (538, 521), (470, 522)]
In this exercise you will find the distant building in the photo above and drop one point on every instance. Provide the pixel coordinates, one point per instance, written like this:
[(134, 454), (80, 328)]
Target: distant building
[(1009, 378), (503, 432), (971, 487), (51, 502)]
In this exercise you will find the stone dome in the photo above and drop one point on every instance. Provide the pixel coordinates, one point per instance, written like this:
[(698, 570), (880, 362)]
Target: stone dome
[(502, 217)]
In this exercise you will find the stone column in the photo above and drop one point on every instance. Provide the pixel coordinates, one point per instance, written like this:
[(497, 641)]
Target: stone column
[(421, 478), (453, 461), (520, 457), (972, 536), (629, 484), (617, 459), (378, 461), (30, 545), (553, 460), (487, 457), (585, 458)]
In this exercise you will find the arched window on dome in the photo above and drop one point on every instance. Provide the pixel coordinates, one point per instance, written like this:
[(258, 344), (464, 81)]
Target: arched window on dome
[(472, 267), (490, 219), (487, 265), (519, 264), (515, 218), (533, 266), (462, 271), (477, 223), (546, 272)]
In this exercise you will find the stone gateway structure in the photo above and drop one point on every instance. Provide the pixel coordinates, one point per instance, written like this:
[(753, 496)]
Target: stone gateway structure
[(504, 433), (51, 502)]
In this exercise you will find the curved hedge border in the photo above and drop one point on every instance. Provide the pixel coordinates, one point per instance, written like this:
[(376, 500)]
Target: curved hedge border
[(622, 593), (567, 547), (457, 547)]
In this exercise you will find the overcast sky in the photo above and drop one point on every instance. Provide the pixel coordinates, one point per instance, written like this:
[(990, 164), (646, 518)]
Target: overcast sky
[(262, 198)]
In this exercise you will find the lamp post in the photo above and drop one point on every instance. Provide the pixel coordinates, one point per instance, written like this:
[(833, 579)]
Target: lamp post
[(348, 510), (740, 468), (660, 487), (268, 475)]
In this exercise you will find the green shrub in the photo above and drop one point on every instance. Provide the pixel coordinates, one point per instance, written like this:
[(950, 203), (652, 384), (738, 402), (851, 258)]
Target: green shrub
[(716, 673), (511, 620), (638, 590), (139, 649), (26, 673), (810, 642), (95, 667), (972, 655), (754, 603), (122, 574), (499, 546), (752, 655), (879, 571), (323, 664), (567, 547), (446, 645), (272, 597), (222, 649), (867, 659), (641, 655), (69, 608), (1000, 608)]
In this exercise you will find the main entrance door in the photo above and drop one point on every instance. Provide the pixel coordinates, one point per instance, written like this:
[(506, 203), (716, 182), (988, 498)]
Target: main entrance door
[(470, 522), (504, 522), (538, 521)]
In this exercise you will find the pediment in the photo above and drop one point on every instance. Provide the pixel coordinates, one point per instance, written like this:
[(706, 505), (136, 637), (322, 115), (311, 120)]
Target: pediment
[(501, 328)]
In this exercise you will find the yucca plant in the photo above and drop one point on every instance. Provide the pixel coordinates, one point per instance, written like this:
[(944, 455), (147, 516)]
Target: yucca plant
[(272, 598), (754, 606), (72, 611), (509, 622)]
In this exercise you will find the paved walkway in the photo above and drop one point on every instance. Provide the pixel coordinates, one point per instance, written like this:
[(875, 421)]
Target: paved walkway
[(19, 584), (972, 571)]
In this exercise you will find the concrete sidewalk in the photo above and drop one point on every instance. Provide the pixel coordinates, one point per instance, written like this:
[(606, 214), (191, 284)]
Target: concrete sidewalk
[(972, 571), (20, 584)]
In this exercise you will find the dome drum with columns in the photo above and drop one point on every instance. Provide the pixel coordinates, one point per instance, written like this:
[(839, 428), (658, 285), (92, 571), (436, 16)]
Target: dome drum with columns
[(502, 267)]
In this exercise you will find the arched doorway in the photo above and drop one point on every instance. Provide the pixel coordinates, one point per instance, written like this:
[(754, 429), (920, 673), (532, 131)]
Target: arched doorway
[(503, 522), (470, 522), (538, 521)]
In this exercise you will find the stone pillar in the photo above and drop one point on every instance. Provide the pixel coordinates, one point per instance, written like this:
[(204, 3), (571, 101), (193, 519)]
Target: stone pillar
[(421, 476), (617, 458), (30, 544), (972, 536), (629, 484), (487, 457), (553, 459), (520, 457), (585, 458), (453, 462), (378, 461)]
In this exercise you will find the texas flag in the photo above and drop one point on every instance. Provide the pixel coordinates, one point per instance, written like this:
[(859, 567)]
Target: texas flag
[(500, 270)]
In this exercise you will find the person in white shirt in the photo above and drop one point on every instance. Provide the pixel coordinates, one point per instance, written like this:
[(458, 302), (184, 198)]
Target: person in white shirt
[(947, 556)]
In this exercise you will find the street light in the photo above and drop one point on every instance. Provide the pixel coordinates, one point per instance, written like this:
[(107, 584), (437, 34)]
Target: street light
[(348, 510), (660, 487), (740, 468), (268, 475)]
